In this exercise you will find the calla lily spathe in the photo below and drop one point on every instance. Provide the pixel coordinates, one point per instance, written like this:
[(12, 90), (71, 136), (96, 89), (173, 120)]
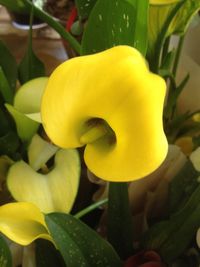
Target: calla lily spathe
[(111, 102), (23, 222)]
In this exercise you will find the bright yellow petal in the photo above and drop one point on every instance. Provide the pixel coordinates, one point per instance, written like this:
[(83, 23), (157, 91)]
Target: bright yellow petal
[(22, 222), (163, 2), (115, 89)]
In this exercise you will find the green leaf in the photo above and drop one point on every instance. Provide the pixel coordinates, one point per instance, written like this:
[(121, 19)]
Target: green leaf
[(173, 96), (78, 244), (31, 66), (120, 223), (5, 89), (182, 20), (116, 23), (171, 238), (182, 187), (47, 255), (26, 127), (84, 7), (165, 20), (14, 5), (6, 123), (160, 18), (5, 255), (9, 143), (8, 65)]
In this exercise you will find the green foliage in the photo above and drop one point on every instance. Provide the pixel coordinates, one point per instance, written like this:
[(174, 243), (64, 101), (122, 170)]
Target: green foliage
[(78, 244), (47, 255), (116, 23), (5, 89), (9, 144), (172, 237), (5, 255), (182, 187), (120, 233), (14, 5), (31, 66), (8, 65), (84, 7)]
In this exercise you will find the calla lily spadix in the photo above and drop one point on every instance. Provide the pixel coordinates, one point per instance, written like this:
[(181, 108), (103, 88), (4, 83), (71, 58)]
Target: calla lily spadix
[(113, 104)]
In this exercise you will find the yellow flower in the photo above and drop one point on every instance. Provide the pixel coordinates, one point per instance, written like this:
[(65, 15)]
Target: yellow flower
[(163, 2), (22, 222), (111, 102)]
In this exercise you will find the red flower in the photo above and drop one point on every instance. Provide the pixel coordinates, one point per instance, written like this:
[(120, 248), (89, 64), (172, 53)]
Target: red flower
[(144, 259)]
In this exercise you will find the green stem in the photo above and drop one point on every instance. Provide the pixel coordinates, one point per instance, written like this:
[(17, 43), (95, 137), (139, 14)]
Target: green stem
[(56, 26), (165, 48), (119, 225), (90, 208), (177, 56)]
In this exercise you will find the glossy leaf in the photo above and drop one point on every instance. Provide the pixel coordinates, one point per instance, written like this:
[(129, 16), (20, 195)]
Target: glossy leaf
[(80, 245), (116, 23), (84, 7), (171, 238), (26, 127), (8, 65), (5, 254), (54, 191)]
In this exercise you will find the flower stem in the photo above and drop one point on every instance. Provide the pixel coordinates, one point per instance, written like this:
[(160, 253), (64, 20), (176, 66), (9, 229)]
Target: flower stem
[(177, 56), (119, 225), (90, 208)]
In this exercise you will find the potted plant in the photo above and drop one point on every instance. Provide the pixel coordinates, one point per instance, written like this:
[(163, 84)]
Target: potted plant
[(111, 114)]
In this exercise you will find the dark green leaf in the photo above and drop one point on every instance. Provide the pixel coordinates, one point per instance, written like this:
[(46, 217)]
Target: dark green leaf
[(173, 96), (84, 7), (47, 255), (9, 143), (78, 244), (182, 187), (30, 67), (120, 224), (168, 60), (14, 5), (8, 65), (5, 89), (116, 23), (171, 238), (6, 122), (5, 255)]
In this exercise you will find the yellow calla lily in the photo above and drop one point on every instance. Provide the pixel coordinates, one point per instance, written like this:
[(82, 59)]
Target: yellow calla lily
[(113, 103), (163, 2), (22, 222), (54, 191)]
